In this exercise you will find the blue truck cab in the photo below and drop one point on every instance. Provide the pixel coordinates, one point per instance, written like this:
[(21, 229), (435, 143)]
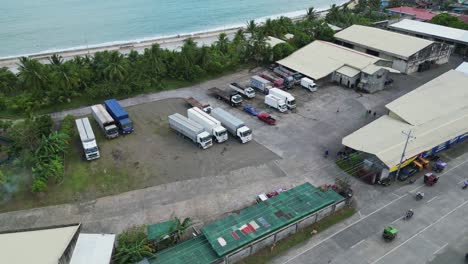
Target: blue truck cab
[(119, 115)]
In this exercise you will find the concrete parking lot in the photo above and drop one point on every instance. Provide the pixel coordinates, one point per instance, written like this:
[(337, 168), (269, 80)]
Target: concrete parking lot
[(206, 184)]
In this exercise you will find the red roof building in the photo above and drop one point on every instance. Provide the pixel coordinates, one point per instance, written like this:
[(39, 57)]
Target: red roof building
[(418, 13)]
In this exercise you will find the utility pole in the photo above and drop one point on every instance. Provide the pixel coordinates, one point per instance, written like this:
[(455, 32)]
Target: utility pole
[(408, 137)]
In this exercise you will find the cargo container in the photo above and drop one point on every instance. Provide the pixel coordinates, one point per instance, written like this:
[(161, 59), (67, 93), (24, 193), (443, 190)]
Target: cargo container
[(105, 121), (88, 141), (191, 130), (209, 123), (119, 115), (234, 125)]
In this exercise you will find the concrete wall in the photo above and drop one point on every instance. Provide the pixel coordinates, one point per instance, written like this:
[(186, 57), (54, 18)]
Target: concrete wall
[(372, 83), (284, 232), (341, 79), (437, 53)]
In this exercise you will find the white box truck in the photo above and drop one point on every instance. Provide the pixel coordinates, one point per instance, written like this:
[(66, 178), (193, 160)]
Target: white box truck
[(276, 102), (88, 141), (209, 123), (248, 92), (234, 125), (287, 97), (308, 84), (191, 130), (105, 121)]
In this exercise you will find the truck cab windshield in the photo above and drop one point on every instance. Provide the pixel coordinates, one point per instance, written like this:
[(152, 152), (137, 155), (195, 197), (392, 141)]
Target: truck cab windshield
[(221, 133), (237, 99), (91, 150), (246, 133), (206, 139), (112, 131), (127, 126), (293, 102)]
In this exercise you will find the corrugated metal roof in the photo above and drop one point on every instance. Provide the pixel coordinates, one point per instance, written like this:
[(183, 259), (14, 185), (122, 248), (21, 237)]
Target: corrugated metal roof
[(320, 58), (158, 231), (445, 94), (396, 44), (237, 230), (43, 246), (348, 71), (437, 121), (433, 30), (93, 248), (421, 14), (272, 41)]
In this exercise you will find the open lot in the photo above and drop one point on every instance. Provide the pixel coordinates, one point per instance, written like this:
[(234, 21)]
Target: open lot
[(178, 179)]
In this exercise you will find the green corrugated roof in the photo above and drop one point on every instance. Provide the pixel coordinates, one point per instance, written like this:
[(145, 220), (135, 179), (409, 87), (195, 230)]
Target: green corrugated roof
[(194, 251), (266, 217), (157, 231)]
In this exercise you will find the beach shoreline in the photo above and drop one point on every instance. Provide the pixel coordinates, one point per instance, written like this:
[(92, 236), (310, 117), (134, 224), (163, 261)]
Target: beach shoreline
[(169, 42)]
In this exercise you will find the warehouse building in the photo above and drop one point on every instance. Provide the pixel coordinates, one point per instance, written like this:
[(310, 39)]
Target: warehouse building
[(457, 38), (408, 54), (324, 62), (241, 234), (436, 113)]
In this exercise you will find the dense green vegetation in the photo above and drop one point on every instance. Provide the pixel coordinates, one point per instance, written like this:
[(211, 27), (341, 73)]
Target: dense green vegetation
[(267, 254), (88, 79), (448, 20)]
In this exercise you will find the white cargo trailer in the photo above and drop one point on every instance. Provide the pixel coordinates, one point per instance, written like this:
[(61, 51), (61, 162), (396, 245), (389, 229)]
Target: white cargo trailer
[(234, 125), (105, 121), (276, 102), (88, 141), (191, 130), (287, 97), (209, 123)]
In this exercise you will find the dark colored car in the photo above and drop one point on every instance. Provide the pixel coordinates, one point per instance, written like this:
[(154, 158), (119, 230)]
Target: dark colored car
[(267, 118), (407, 172), (250, 110)]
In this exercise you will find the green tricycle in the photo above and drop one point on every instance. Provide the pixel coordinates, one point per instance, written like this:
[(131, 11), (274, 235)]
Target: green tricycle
[(389, 233)]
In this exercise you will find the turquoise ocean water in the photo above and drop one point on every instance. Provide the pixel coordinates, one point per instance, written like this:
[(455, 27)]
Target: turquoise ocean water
[(31, 26)]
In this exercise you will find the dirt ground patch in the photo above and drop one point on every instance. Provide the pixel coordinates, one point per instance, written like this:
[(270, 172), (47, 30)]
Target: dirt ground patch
[(152, 155)]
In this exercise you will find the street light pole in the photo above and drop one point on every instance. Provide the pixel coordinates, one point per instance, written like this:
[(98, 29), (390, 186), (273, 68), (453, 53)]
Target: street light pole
[(408, 137)]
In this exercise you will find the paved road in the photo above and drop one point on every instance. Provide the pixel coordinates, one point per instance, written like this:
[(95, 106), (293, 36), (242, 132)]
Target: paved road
[(439, 221)]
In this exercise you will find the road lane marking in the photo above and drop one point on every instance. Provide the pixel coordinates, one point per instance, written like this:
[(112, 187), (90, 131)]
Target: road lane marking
[(396, 194), (432, 199), (394, 221), (442, 247), (359, 212), (358, 243), (419, 232), (343, 229)]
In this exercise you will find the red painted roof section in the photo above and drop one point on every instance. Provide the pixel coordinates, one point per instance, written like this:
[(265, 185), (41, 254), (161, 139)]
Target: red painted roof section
[(421, 14)]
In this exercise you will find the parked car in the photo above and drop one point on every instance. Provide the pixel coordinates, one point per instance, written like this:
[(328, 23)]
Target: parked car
[(407, 172), (250, 110), (267, 118)]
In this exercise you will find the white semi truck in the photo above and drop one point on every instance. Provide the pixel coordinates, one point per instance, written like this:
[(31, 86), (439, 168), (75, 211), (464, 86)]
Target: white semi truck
[(276, 102), (209, 123), (234, 125), (248, 92), (287, 97), (191, 130), (105, 121), (88, 141)]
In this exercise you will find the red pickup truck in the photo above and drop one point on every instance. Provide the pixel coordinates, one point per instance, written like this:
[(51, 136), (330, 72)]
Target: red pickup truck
[(267, 118)]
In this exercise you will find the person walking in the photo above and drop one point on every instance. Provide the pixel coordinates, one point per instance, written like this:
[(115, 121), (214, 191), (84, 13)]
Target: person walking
[(375, 113)]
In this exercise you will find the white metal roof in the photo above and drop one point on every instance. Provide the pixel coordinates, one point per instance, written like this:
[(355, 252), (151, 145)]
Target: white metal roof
[(349, 71), (433, 30), (320, 58), (93, 248), (463, 68), (44, 246), (395, 44), (445, 94), (272, 41), (384, 137)]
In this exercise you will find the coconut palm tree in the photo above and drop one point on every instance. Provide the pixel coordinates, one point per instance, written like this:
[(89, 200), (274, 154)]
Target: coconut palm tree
[(311, 13), (32, 74), (115, 69), (55, 60), (222, 43), (251, 27)]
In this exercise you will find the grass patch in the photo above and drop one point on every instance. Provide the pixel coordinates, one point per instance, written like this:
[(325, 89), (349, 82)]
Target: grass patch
[(350, 164), (267, 254)]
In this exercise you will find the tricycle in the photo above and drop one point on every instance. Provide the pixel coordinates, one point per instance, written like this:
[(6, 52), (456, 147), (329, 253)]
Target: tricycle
[(389, 233), (439, 166)]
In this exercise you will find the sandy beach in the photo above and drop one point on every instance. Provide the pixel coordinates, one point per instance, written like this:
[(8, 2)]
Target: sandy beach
[(171, 43)]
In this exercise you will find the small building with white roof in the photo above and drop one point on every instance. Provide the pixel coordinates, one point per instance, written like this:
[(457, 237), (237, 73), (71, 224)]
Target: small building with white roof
[(408, 54), (452, 36)]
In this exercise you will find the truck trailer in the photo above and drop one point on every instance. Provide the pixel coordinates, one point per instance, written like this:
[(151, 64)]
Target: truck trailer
[(192, 102), (88, 141), (234, 125), (288, 79), (277, 81), (297, 76), (209, 123), (119, 115), (105, 121), (234, 99), (245, 91), (191, 130), (260, 83), (276, 102), (287, 97)]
